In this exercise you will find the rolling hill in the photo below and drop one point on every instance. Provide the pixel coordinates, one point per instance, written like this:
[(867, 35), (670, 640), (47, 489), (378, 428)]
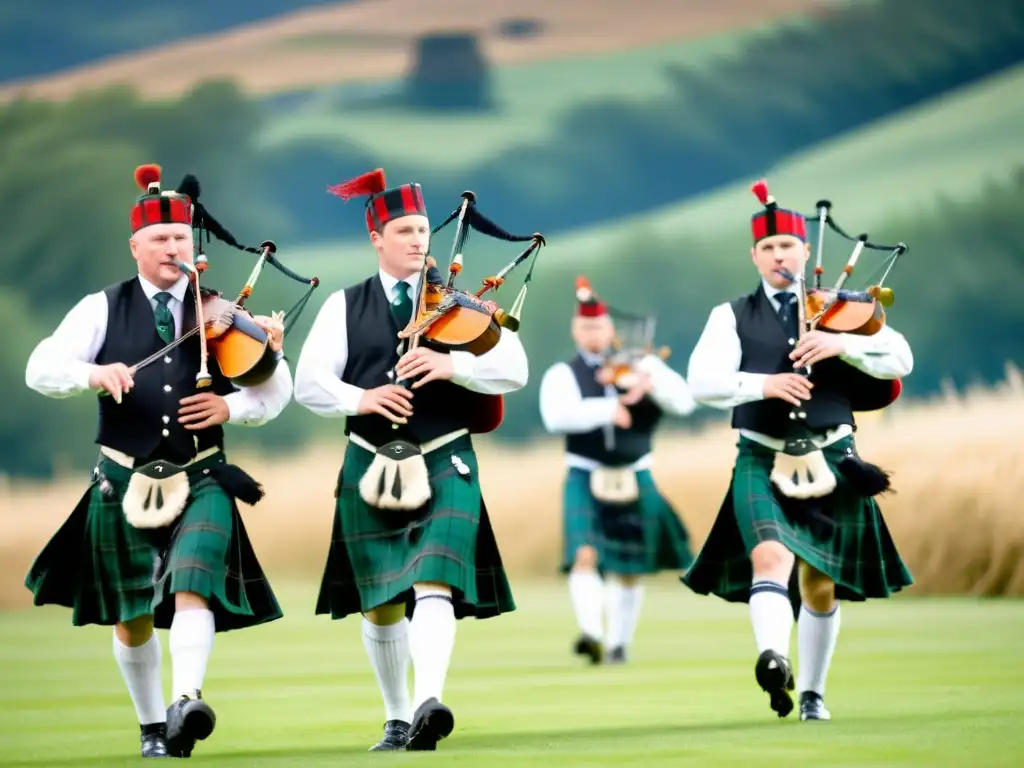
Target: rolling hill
[(947, 148), (374, 40)]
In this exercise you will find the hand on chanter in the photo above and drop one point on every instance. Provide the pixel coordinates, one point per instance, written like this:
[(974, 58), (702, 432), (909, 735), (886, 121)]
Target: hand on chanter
[(429, 364), (791, 387), (642, 386), (816, 346), (202, 411), (115, 378), (390, 401), (622, 419)]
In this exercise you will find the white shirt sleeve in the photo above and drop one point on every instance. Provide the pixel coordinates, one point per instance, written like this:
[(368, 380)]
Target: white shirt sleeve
[(716, 381), (714, 370), (256, 405), (563, 409), (61, 364), (671, 392), (318, 384), (502, 369), (884, 355)]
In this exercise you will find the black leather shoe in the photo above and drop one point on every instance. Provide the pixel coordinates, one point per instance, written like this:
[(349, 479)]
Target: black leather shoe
[(154, 740), (396, 736), (432, 722), (588, 646), (189, 719), (812, 707), (775, 676), (617, 656)]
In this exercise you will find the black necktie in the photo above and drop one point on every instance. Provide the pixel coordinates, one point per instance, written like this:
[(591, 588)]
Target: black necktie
[(787, 312)]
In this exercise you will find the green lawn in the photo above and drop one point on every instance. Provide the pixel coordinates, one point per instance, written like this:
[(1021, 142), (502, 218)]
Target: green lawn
[(915, 683)]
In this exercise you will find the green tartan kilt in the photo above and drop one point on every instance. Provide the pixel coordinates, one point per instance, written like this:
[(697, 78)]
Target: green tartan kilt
[(850, 543), (108, 571), (639, 538), (376, 556)]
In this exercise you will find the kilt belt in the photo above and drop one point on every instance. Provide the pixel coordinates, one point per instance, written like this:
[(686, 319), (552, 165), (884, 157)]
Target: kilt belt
[(397, 478), (799, 469), (157, 492), (822, 440), (128, 462)]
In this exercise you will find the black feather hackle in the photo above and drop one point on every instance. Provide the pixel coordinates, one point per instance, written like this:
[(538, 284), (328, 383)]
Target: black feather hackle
[(865, 478)]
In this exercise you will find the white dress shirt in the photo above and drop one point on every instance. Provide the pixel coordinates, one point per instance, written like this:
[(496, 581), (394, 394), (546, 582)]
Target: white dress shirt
[(61, 364), (318, 384), (564, 410), (716, 380)]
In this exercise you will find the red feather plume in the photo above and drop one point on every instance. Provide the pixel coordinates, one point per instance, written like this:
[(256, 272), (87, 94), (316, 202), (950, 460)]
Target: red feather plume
[(367, 184), (760, 188), (146, 175)]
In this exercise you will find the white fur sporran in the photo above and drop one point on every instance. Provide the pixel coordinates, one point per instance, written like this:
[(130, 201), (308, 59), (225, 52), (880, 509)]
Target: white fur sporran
[(156, 495), (614, 485), (802, 472), (397, 478)]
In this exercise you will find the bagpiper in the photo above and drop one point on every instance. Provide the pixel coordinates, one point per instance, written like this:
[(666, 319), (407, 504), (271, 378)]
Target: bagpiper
[(157, 539), (617, 525), (412, 549), (799, 491)]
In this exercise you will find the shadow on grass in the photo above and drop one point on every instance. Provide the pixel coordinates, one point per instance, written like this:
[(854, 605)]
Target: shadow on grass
[(559, 740)]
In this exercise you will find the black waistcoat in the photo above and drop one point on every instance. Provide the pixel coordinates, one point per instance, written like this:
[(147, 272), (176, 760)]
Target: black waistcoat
[(438, 408), (630, 444), (766, 349), (145, 424)]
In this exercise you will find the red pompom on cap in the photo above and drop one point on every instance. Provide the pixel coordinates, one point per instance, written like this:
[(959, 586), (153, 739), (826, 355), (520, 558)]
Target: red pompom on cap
[(760, 188), (368, 184), (584, 292), (148, 174)]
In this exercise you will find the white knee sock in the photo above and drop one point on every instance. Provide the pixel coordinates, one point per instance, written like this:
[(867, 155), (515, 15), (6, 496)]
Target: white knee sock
[(388, 649), (191, 643), (614, 612), (771, 615), (431, 640), (816, 642), (585, 591), (622, 611), (633, 598), (140, 668)]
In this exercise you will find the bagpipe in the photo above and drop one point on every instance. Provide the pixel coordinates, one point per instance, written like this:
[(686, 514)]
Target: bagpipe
[(448, 319), (800, 470), (230, 335), (633, 341)]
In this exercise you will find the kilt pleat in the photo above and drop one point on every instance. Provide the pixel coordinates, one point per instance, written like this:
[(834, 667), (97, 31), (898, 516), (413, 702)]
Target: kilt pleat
[(852, 545), (376, 556), (210, 554), (108, 571), (644, 537)]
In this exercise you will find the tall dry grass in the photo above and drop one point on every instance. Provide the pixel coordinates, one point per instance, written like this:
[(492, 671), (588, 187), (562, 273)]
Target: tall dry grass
[(957, 463)]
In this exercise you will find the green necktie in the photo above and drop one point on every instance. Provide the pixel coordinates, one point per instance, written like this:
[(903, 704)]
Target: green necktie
[(402, 304), (164, 318)]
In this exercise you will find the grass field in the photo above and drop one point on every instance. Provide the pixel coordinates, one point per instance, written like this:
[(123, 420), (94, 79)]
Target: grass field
[(915, 683), (948, 148)]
